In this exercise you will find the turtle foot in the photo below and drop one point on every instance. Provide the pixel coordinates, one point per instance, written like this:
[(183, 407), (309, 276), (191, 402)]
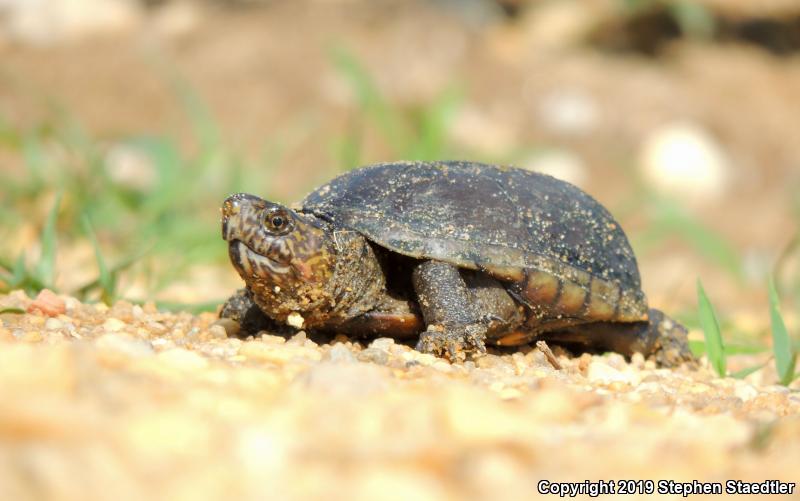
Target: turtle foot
[(671, 343), (241, 317), (455, 343)]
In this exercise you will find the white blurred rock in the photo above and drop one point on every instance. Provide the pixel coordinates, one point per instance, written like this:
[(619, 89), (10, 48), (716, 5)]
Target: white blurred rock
[(554, 25), (130, 168), (560, 164), (568, 111), (478, 129), (345, 379), (176, 19), (295, 320), (113, 325), (682, 158), (601, 372), (44, 22), (125, 344), (340, 354), (745, 391)]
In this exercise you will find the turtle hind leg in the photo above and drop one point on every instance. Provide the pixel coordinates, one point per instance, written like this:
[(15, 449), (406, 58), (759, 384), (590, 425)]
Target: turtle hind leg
[(661, 338), (670, 342)]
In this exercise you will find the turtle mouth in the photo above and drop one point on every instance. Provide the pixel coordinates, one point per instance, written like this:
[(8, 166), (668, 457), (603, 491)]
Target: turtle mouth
[(251, 262)]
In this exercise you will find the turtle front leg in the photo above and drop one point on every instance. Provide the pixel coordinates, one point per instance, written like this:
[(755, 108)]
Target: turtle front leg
[(241, 317), (454, 327)]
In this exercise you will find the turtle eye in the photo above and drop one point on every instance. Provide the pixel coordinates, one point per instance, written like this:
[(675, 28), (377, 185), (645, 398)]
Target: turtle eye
[(277, 221)]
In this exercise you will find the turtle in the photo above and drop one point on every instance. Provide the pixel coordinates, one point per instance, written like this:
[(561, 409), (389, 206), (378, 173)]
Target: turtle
[(454, 255)]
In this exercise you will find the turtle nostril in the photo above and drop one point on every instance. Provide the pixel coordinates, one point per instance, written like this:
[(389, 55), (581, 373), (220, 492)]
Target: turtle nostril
[(230, 208)]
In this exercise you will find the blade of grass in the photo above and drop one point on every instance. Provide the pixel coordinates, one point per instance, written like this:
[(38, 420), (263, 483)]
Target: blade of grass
[(348, 148), (434, 122), (19, 272), (106, 280), (45, 268), (113, 271), (785, 357), (693, 18), (708, 321), (698, 348), (746, 372), (195, 308), (15, 311), (669, 218), (369, 98)]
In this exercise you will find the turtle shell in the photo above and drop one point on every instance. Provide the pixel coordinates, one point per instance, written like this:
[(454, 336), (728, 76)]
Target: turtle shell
[(544, 236)]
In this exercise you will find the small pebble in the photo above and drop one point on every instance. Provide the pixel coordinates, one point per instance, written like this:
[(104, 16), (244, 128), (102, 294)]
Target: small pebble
[(374, 355), (295, 320), (340, 354), (182, 359), (113, 325), (600, 372), (47, 303), (53, 324), (382, 343), (345, 380), (124, 343), (217, 332)]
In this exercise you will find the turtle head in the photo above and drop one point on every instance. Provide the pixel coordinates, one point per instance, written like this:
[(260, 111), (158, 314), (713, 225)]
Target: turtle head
[(273, 247)]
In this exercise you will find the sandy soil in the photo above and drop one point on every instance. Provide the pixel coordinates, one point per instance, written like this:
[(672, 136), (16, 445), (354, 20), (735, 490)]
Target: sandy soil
[(130, 403)]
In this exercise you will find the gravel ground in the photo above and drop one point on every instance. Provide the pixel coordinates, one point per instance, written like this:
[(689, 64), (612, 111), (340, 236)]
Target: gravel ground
[(131, 403)]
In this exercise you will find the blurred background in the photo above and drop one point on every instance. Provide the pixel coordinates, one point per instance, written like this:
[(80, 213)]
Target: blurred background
[(124, 124)]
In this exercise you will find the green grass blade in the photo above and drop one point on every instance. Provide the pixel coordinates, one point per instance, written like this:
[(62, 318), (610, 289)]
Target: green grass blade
[(114, 271), (785, 357), (672, 219), (348, 148), (708, 321), (45, 268), (694, 19), (106, 279), (15, 311), (434, 122), (195, 308), (370, 99), (747, 371), (19, 272)]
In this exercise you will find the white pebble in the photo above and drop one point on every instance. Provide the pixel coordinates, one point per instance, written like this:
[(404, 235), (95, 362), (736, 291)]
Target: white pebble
[(53, 324), (340, 354), (682, 158), (569, 111), (113, 325), (125, 344), (382, 343), (745, 392), (137, 311), (600, 372), (295, 320), (182, 359), (560, 164)]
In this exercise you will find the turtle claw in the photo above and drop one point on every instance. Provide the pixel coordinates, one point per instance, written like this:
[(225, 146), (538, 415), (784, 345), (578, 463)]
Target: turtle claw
[(457, 343)]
